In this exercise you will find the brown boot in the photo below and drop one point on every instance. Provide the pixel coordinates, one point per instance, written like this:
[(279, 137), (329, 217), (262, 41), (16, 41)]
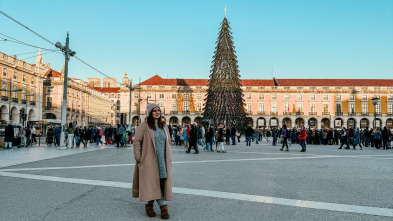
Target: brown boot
[(164, 212), (150, 211)]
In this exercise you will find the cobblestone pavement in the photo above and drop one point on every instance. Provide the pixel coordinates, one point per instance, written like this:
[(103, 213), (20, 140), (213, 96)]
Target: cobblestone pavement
[(257, 182)]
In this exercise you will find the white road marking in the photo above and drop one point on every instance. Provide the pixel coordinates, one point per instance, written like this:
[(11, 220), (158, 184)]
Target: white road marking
[(177, 162), (368, 210)]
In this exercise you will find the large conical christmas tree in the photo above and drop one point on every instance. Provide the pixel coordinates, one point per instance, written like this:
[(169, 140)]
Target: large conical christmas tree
[(224, 102)]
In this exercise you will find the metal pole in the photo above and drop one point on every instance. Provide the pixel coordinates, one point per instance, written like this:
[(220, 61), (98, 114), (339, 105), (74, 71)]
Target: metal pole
[(64, 104), (9, 103), (139, 103), (129, 116)]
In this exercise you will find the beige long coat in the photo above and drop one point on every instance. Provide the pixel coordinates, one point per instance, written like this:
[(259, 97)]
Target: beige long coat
[(146, 182)]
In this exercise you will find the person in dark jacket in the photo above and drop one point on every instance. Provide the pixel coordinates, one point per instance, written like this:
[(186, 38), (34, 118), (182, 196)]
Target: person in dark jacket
[(28, 134), (192, 140), (385, 138), (57, 136), (9, 136), (249, 133), (227, 136)]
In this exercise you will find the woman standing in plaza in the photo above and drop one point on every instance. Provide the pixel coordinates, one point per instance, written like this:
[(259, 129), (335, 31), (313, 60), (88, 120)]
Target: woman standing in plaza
[(153, 155)]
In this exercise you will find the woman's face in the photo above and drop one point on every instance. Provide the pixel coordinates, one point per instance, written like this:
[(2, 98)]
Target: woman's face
[(156, 113)]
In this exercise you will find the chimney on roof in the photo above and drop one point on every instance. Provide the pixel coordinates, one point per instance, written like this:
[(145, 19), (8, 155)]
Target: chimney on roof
[(275, 82)]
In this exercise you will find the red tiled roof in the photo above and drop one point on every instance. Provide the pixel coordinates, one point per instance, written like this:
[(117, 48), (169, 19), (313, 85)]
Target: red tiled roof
[(336, 82), (157, 80), (54, 73), (106, 89)]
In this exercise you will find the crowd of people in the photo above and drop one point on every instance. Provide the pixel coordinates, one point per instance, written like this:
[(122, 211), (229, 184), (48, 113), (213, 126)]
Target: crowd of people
[(190, 136)]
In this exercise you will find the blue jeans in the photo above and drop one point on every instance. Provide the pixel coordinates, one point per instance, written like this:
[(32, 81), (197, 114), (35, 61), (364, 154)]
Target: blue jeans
[(302, 144), (248, 139), (77, 141), (207, 147), (257, 139), (233, 139), (274, 140)]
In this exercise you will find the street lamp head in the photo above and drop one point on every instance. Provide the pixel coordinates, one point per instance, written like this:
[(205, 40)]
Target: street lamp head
[(374, 100), (72, 53), (58, 45)]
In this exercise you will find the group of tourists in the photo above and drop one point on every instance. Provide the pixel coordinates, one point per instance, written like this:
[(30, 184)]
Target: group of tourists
[(77, 135)]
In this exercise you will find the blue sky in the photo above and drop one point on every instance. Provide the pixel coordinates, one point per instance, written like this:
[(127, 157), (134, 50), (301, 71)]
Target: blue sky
[(176, 39)]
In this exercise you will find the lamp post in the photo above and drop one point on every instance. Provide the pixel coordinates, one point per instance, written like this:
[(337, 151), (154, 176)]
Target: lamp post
[(68, 53), (374, 101), (25, 118)]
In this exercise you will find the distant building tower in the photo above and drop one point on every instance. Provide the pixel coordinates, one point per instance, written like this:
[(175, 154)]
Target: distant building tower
[(109, 82), (94, 82)]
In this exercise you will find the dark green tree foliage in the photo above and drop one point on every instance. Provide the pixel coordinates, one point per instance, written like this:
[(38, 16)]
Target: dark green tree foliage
[(224, 101)]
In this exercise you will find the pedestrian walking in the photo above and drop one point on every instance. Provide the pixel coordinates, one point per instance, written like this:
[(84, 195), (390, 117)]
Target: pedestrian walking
[(70, 131), (220, 140), (385, 138), (233, 135), (249, 133), (302, 139), (356, 139), (9, 136), (153, 156), (284, 133), (192, 142)]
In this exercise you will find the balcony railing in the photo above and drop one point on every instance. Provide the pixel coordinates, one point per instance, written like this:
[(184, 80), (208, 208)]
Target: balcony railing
[(47, 83), (325, 113), (286, 113), (23, 101), (68, 108), (4, 98), (378, 114), (261, 112), (186, 112), (173, 112), (248, 112), (365, 113), (339, 113), (351, 113), (274, 113), (389, 114), (312, 113), (15, 99), (299, 113), (32, 103)]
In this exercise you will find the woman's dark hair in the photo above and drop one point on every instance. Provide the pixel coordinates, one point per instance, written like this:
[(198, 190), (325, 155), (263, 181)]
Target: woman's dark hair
[(284, 126), (70, 124), (151, 123)]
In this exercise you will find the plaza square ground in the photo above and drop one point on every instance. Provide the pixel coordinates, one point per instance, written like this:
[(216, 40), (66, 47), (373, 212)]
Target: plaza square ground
[(257, 182)]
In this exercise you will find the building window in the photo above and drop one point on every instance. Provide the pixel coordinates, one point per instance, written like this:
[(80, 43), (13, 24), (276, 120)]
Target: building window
[(364, 97), (24, 78), (198, 96), (15, 76), (378, 108), (186, 96), (274, 97), (351, 97), (149, 95), (365, 108), (4, 86), (299, 97), (312, 107), (186, 106), (174, 96), (261, 97), (161, 96), (248, 107), (299, 107), (24, 93), (274, 107), (248, 96), (338, 98), (286, 97), (390, 97), (312, 97), (174, 106), (352, 108), (390, 108), (325, 97), (198, 107), (32, 80), (325, 108), (338, 107), (161, 105), (261, 107), (14, 88), (5, 72), (286, 107)]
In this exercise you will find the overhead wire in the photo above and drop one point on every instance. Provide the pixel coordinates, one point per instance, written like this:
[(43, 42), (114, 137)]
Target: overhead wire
[(8, 16), (23, 43), (42, 37)]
